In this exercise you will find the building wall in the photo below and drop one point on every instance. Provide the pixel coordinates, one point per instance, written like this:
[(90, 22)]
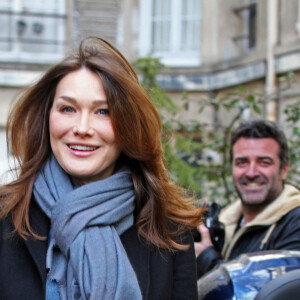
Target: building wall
[(97, 18), (83, 18), (225, 63)]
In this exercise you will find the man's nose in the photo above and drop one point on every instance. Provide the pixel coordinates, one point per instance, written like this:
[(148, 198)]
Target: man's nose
[(252, 170)]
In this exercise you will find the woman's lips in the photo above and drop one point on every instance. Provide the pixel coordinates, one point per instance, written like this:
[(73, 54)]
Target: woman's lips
[(79, 150)]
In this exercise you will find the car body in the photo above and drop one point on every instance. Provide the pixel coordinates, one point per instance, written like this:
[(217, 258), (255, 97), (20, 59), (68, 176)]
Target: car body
[(243, 278)]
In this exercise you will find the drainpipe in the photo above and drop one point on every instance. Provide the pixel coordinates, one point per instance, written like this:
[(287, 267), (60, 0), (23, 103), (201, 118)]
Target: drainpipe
[(272, 38)]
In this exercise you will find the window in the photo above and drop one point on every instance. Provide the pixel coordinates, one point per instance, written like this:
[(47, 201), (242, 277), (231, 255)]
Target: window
[(32, 30), (170, 29), (248, 15)]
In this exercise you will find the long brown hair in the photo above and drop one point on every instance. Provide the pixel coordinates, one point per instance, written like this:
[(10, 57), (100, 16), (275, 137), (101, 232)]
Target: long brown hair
[(136, 123)]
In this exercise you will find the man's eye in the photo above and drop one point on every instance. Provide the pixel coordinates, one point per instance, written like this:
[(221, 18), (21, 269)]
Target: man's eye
[(265, 163), (240, 163)]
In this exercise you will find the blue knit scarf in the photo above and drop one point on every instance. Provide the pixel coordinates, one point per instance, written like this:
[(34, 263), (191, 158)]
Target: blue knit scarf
[(85, 255)]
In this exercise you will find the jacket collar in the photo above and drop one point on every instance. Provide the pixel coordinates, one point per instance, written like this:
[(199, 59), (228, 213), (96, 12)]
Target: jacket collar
[(288, 199), (230, 216)]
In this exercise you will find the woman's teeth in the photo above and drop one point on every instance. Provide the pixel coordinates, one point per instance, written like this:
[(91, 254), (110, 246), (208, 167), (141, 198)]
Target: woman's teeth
[(82, 148)]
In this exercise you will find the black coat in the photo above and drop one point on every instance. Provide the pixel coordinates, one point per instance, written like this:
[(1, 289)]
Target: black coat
[(161, 274)]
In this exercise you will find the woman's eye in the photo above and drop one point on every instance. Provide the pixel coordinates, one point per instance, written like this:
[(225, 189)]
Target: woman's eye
[(104, 112), (67, 109)]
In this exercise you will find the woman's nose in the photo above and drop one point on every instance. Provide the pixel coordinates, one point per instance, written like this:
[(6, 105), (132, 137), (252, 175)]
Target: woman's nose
[(83, 126)]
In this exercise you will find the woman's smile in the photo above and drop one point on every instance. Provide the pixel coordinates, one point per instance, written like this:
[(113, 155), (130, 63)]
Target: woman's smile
[(80, 150)]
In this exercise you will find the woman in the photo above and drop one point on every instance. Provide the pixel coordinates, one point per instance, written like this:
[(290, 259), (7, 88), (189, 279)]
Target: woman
[(92, 214)]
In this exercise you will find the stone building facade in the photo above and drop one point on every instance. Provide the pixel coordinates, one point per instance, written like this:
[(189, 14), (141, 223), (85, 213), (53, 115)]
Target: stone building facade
[(209, 46)]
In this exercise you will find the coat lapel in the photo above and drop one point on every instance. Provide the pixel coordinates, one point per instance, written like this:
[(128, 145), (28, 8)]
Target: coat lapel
[(40, 225), (139, 256)]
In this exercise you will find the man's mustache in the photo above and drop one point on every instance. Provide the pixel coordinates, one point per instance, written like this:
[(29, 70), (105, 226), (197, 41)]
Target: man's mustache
[(258, 179)]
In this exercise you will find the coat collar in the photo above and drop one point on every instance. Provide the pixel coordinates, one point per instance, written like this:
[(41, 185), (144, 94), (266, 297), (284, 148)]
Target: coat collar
[(230, 216)]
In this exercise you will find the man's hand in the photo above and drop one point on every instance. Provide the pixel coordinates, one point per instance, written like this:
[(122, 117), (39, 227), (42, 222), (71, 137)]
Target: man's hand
[(205, 240)]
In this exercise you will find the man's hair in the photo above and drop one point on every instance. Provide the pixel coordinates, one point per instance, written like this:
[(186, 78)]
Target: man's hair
[(262, 129)]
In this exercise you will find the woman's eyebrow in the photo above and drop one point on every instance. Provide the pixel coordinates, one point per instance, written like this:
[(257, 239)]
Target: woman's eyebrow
[(74, 101)]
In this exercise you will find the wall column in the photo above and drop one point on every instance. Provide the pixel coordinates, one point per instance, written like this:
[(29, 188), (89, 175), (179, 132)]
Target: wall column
[(272, 38)]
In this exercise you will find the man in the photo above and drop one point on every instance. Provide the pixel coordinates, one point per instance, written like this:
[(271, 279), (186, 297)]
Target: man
[(267, 215)]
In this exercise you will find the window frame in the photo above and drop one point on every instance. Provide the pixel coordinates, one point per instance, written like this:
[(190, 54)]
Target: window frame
[(248, 15), (17, 54), (175, 57)]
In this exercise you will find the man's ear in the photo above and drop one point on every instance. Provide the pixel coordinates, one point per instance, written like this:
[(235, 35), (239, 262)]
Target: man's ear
[(284, 171)]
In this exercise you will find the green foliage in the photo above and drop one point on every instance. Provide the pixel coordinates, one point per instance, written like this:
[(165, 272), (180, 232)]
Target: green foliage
[(148, 67), (180, 171), (215, 175), (197, 153), (292, 113)]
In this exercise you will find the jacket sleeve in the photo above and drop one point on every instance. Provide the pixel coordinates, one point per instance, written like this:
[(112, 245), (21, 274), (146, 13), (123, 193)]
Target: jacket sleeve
[(208, 259), (184, 272)]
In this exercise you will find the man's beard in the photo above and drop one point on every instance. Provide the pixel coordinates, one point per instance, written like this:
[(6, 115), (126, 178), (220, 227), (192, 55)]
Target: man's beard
[(261, 197)]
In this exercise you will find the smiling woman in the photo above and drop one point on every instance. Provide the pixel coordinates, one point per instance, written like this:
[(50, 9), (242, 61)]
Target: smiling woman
[(93, 213), (81, 134)]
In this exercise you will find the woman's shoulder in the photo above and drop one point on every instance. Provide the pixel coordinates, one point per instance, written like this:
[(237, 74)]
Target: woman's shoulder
[(6, 226), (158, 269), (131, 240)]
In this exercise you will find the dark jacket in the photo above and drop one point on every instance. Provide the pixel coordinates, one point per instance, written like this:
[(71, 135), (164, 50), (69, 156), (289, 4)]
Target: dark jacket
[(277, 227), (161, 274)]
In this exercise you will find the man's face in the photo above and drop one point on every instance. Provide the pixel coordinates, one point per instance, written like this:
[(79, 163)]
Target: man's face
[(256, 170)]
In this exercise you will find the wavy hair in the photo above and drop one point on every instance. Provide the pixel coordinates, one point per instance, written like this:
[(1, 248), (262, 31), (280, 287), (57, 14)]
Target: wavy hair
[(159, 202)]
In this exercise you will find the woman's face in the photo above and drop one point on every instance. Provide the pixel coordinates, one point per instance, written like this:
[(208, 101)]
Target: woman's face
[(81, 134)]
